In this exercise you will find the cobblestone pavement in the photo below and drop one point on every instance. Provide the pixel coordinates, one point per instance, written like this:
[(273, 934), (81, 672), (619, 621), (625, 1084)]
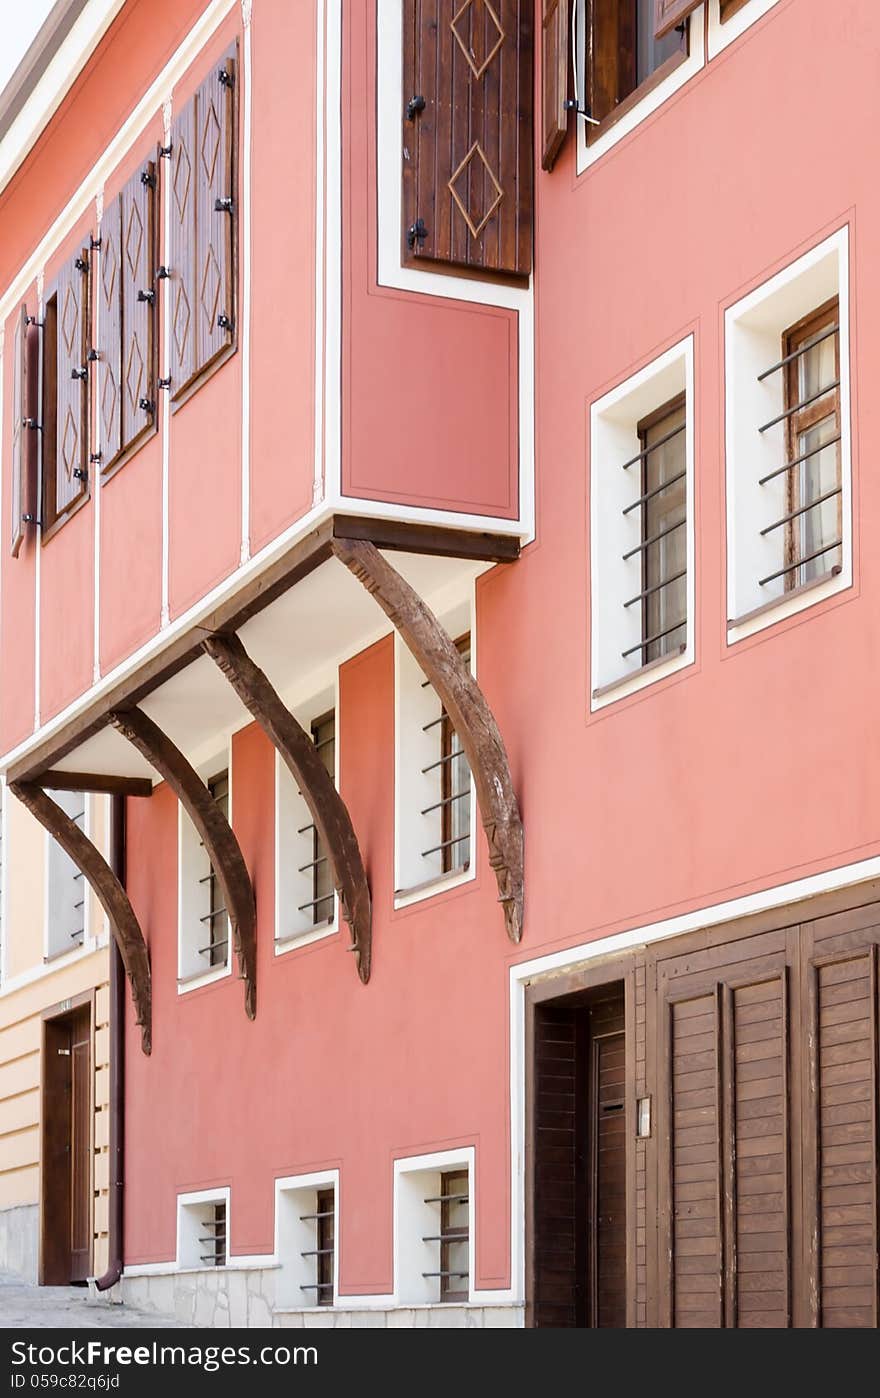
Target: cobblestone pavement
[(26, 1307)]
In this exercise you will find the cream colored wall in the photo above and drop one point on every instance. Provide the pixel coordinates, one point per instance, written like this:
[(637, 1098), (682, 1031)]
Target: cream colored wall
[(29, 988)]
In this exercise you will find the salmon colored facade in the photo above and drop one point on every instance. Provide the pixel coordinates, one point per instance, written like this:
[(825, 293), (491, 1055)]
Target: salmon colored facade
[(733, 777)]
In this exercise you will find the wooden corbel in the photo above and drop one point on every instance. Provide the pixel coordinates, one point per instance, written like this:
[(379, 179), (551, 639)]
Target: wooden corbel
[(108, 890), (328, 810), (214, 830), (470, 715)]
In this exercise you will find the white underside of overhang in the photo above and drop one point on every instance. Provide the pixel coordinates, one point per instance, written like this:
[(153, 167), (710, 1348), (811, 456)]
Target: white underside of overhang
[(299, 640)]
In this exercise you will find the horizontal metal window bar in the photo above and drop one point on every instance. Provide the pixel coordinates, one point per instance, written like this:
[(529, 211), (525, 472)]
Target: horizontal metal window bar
[(658, 636), (214, 946), (804, 403), (655, 538), (212, 1237), (656, 587), (303, 828), (426, 727), (445, 1198), (318, 1252), (646, 451), (315, 902), (317, 1286), (450, 757), (447, 801), (445, 844), (658, 490), (803, 509), (446, 1274), (219, 1260), (814, 451), (307, 1218), (80, 903), (79, 816), (325, 743), (78, 935), (209, 878), (780, 573), (209, 917), (312, 864), (78, 875), (458, 1236), (797, 354)]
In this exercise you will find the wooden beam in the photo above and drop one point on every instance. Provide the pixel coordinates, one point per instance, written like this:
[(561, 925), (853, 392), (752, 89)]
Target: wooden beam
[(470, 715), (328, 810), (257, 592), (214, 829), (109, 892), (100, 782)]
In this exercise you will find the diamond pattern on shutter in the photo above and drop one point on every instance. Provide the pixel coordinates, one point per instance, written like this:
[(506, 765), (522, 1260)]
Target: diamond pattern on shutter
[(110, 325), (19, 431), (467, 151), (138, 312), (215, 175), (71, 431), (182, 249)]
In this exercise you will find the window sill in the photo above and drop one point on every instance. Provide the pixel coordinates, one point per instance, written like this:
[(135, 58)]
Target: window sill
[(672, 64), (625, 682), (798, 599), (405, 897), (292, 940), (196, 979)]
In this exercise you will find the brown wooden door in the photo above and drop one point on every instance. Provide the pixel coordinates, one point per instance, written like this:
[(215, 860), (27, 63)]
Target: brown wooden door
[(66, 1251), (607, 1178)]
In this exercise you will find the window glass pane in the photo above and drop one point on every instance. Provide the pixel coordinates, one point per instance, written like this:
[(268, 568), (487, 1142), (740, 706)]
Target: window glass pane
[(665, 608), (324, 736), (819, 475), (818, 366), (651, 52)]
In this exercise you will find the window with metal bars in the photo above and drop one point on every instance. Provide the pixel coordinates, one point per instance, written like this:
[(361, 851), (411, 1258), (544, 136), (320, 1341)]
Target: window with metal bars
[(213, 1240), (453, 1238), (305, 892), (319, 909), (203, 1230), (811, 525), (323, 1254), (663, 545), (65, 912), (625, 59), (215, 921), (455, 789)]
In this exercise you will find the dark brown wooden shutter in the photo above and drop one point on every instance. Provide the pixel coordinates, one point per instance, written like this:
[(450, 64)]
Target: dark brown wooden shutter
[(182, 248), (138, 306), (557, 1168), (71, 464), (669, 13), (554, 79), (467, 144), (110, 329), (216, 211), (846, 1058), (20, 399)]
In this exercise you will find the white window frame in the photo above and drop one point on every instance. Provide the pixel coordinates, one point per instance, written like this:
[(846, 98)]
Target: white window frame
[(721, 35), (187, 845), (187, 1258), (588, 154), (457, 619), (753, 326), (296, 1195), (286, 794), (417, 1177), (614, 440)]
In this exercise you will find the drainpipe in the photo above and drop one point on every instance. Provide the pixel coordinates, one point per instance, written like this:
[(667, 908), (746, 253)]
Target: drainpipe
[(117, 1064)]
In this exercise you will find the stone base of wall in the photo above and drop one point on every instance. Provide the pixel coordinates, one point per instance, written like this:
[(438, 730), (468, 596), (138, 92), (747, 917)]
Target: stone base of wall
[(217, 1298), (20, 1240)]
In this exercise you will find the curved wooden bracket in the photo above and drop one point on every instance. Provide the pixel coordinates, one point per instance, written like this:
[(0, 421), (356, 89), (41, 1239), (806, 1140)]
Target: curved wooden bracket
[(215, 832), (470, 715), (328, 810), (109, 892)]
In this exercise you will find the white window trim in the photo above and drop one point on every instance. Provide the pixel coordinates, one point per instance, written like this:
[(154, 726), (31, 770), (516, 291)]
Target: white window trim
[(314, 1180), (88, 943), (789, 606), (460, 1158), (313, 709), (721, 35), (587, 155), (599, 504), (406, 897), (203, 1196), (222, 760)]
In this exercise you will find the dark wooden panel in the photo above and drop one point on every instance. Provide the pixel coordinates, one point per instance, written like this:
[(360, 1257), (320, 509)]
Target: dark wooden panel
[(694, 1193), (554, 78), (71, 449), (81, 1146), (669, 13), (138, 257), (19, 430), (467, 153), (608, 1174), (109, 299), (182, 247), (559, 1285), (215, 186)]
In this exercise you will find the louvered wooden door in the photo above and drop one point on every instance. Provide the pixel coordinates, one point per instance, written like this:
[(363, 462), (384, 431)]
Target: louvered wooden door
[(606, 1227), (724, 1134), (80, 1146), (66, 1179)]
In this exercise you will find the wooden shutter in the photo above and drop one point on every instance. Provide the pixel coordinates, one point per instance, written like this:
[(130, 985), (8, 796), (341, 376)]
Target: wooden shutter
[(137, 335), (20, 403), (110, 325), (669, 13), (71, 465), (845, 1116), (554, 79), (182, 248), (216, 212), (467, 145)]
